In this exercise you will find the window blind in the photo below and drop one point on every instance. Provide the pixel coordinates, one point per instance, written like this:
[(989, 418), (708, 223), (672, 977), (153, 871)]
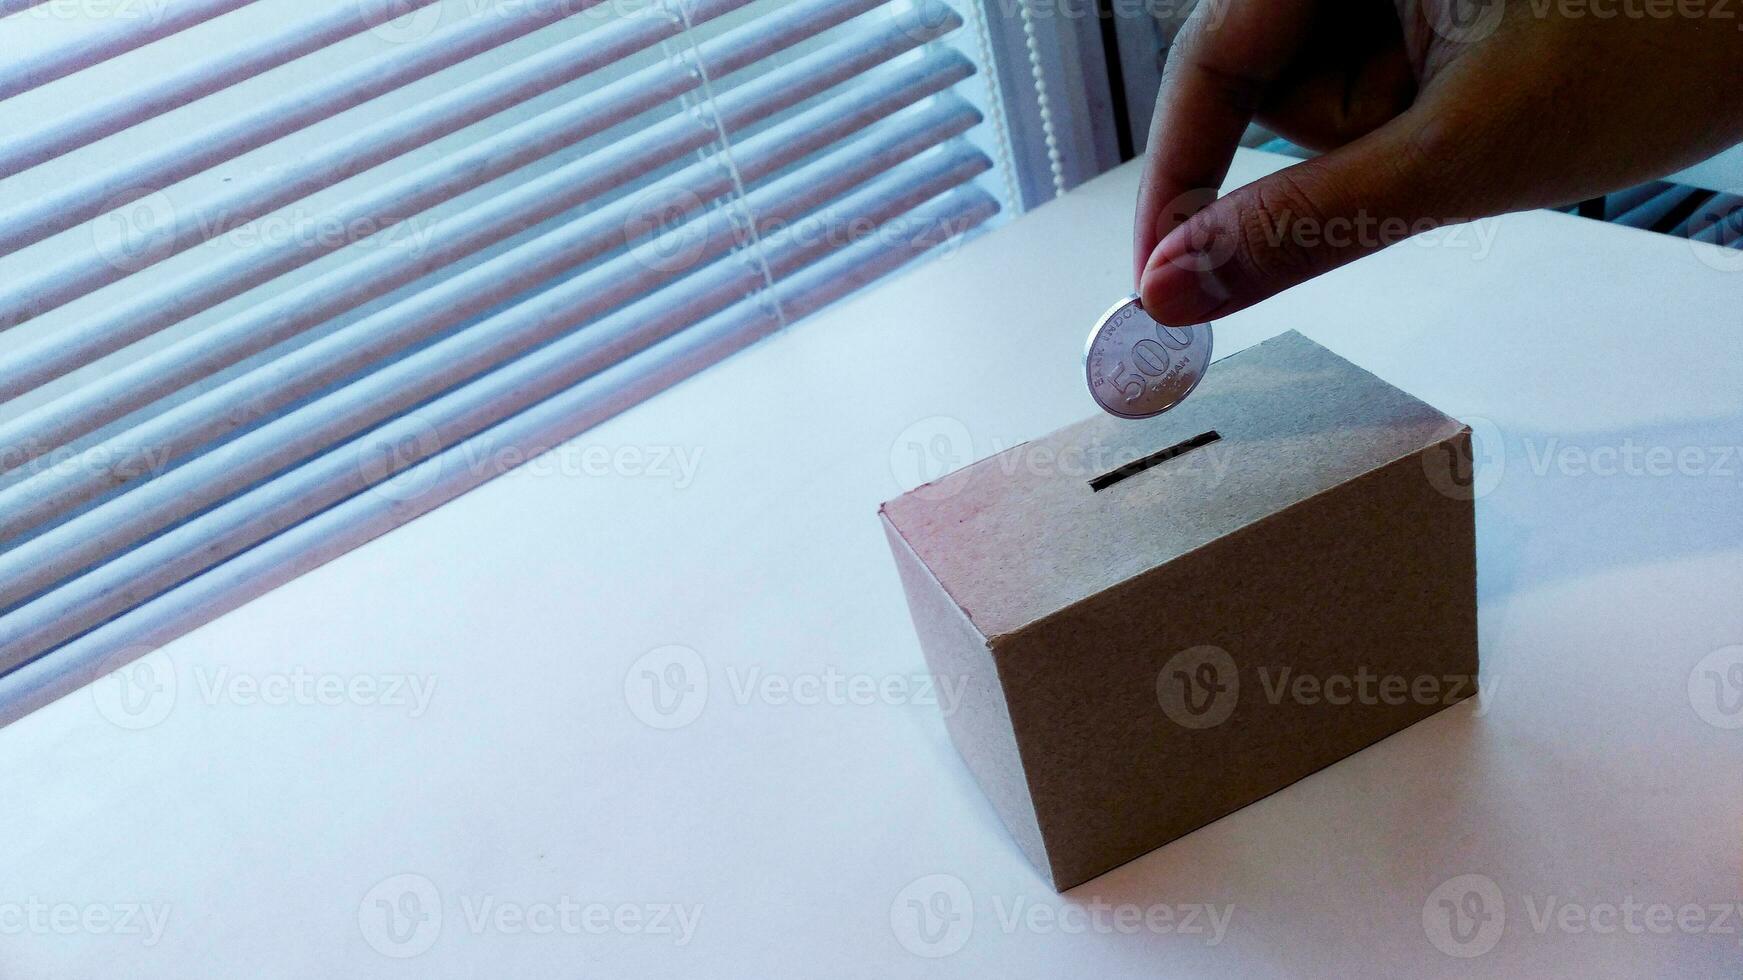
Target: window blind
[(278, 276)]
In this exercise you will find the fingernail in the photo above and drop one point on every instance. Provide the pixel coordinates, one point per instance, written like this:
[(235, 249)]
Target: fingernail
[(1180, 285)]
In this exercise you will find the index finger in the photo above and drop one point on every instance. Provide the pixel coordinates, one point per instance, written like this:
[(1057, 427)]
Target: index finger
[(1227, 55)]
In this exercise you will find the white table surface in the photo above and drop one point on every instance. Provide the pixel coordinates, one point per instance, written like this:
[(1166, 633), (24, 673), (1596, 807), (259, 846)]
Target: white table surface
[(258, 803)]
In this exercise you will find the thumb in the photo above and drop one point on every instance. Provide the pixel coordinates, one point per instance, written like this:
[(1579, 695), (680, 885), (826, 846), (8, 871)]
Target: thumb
[(1295, 224)]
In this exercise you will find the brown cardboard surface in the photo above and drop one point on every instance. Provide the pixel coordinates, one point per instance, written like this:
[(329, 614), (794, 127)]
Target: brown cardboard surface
[(980, 722), (1327, 540), (1020, 535)]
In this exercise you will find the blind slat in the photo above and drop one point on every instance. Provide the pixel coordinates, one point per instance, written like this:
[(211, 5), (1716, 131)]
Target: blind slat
[(45, 360), (1655, 209), (455, 471), (439, 181), (122, 521), (708, 194), (258, 328), (211, 537), (115, 37), (138, 453), (203, 79), (293, 111)]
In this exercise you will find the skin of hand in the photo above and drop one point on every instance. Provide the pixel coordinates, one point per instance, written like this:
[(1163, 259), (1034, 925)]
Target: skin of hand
[(1428, 113)]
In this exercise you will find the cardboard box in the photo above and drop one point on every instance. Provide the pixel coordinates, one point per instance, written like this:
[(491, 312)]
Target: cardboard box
[(1259, 583)]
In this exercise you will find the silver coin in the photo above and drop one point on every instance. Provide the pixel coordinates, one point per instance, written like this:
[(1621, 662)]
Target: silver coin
[(1137, 368)]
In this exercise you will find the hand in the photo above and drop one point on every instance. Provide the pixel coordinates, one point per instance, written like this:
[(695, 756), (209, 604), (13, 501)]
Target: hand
[(1431, 112)]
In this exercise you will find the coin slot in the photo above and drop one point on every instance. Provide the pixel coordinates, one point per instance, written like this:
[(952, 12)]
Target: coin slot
[(1156, 458)]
